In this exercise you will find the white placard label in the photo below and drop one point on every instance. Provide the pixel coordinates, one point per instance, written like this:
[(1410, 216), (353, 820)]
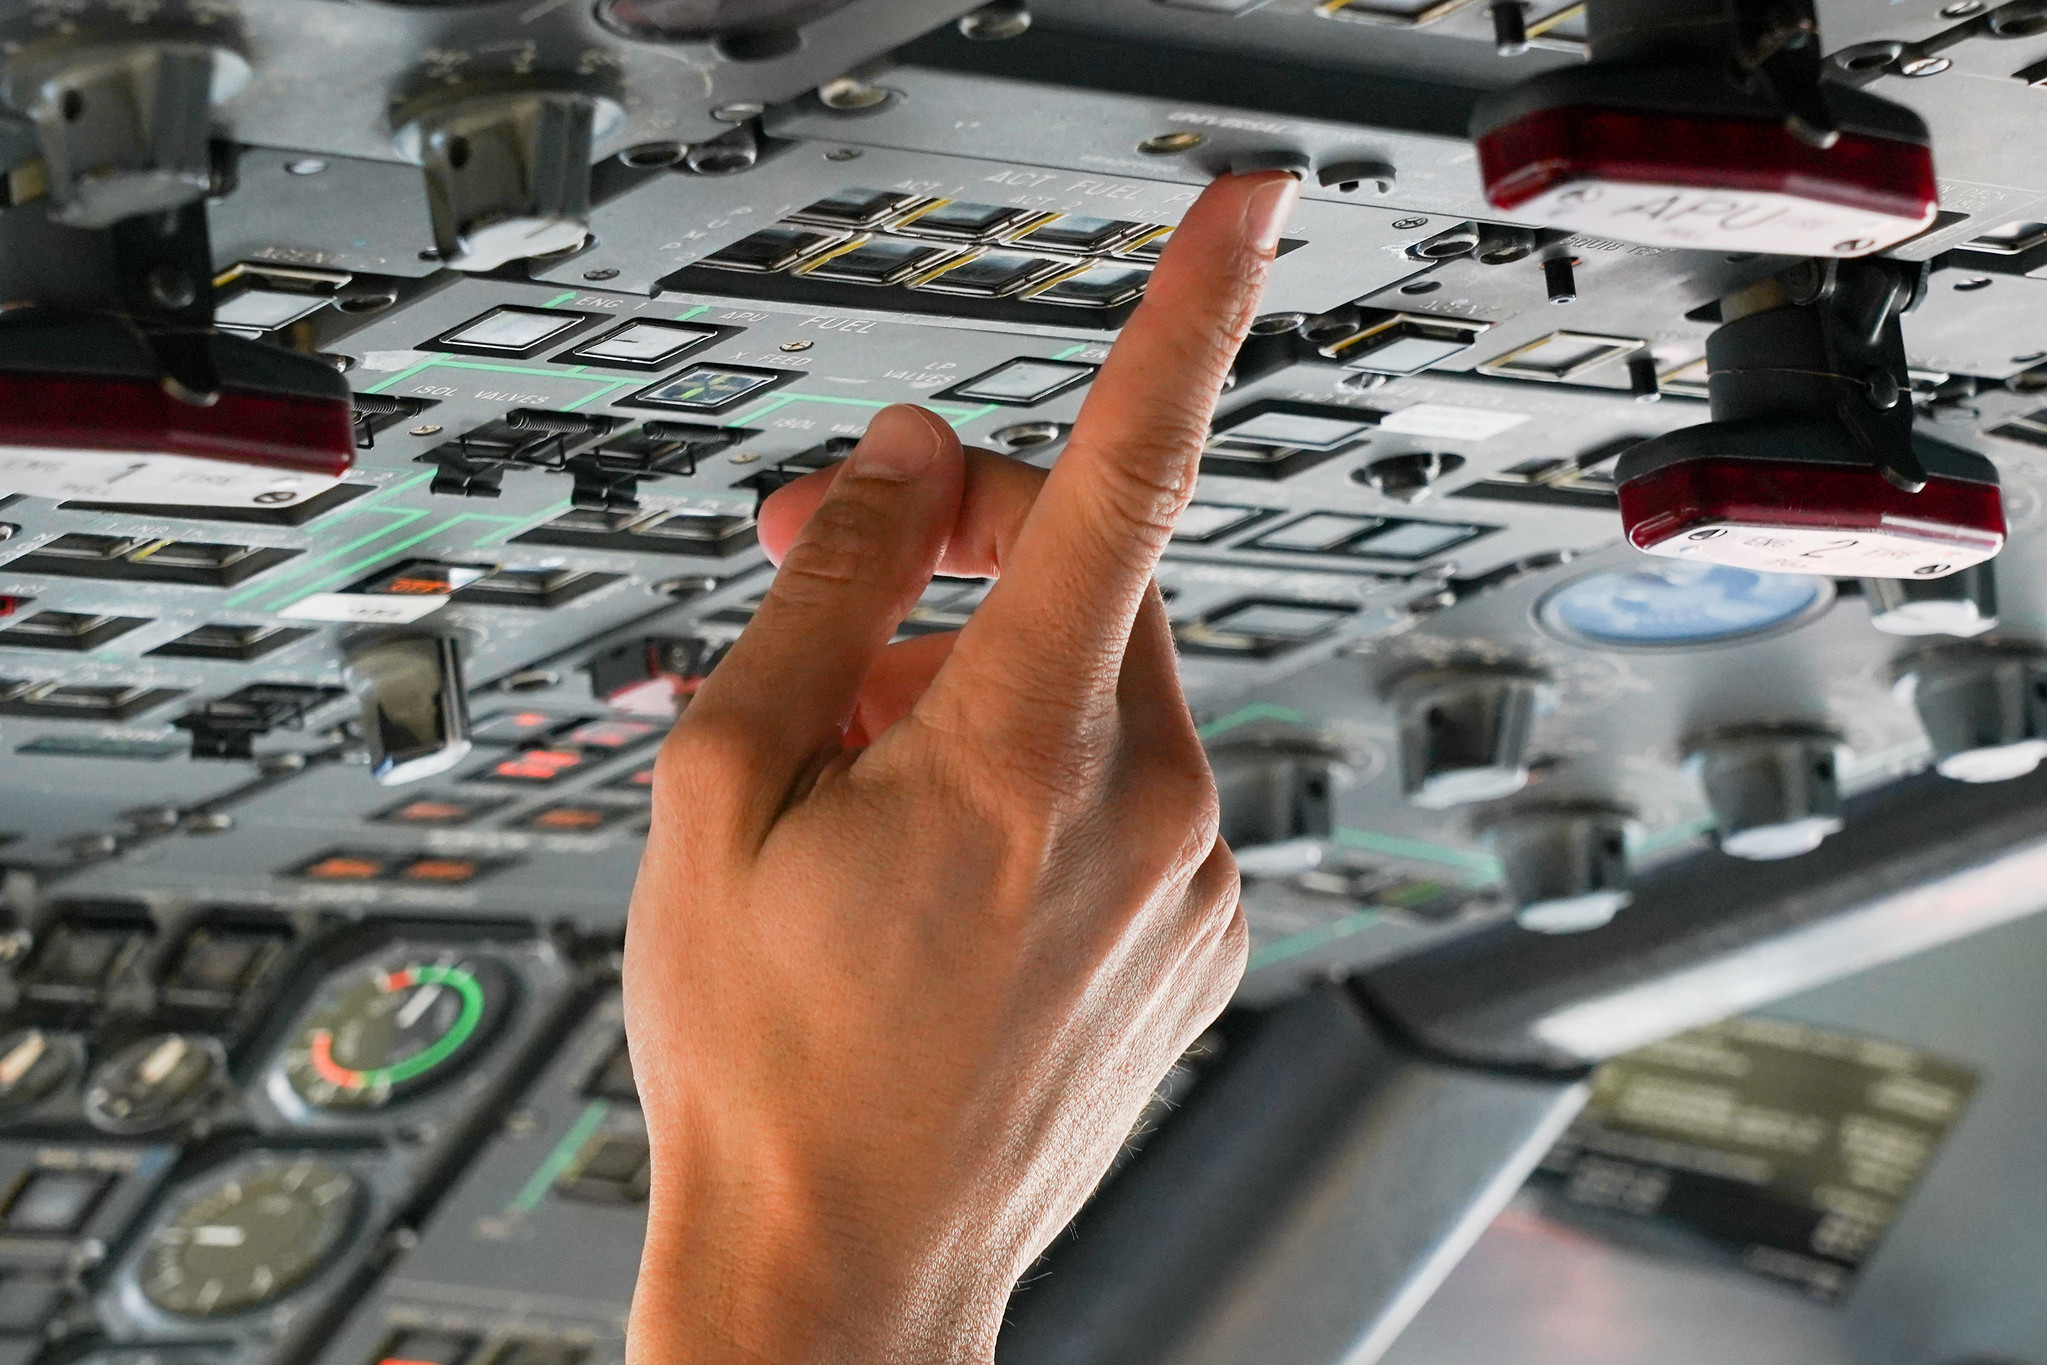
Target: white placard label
[(1880, 553), (366, 608), (1716, 220), (1448, 422), (177, 480)]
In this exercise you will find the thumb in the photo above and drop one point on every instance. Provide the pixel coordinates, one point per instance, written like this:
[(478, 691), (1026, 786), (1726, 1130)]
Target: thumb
[(788, 688)]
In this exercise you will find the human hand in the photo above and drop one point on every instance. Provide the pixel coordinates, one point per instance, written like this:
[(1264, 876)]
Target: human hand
[(919, 926)]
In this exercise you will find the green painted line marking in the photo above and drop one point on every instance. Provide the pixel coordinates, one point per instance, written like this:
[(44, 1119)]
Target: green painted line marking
[(1293, 945), (560, 299), (383, 384), (974, 416), (600, 393), (1071, 351), (388, 552), (591, 1119), (372, 503), (446, 363), (270, 581), (499, 537), (1259, 710), (700, 308), (1476, 869)]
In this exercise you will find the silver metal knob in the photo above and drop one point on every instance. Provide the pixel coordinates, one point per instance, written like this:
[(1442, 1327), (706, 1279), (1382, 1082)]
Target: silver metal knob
[(122, 128), (415, 707), (1984, 707), (1464, 733), (507, 175), (1775, 791), (1277, 812), (1565, 866), (1963, 604)]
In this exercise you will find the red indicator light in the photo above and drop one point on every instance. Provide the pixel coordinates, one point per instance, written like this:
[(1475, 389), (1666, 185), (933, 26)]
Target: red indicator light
[(537, 765)]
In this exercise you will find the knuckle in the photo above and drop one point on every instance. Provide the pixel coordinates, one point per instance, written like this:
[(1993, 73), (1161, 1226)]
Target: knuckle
[(837, 549)]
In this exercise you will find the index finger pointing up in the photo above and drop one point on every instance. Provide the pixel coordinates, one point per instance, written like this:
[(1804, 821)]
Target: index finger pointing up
[(1054, 628)]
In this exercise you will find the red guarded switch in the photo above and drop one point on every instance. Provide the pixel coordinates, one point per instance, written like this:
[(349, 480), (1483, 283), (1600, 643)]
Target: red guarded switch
[(1787, 516), (128, 440), (1709, 183)]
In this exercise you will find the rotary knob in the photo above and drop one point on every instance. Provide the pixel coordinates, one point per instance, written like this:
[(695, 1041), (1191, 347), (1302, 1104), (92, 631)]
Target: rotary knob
[(1276, 793), (507, 175), (1565, 867), (1464, 733), (1775, 791), (1984, 707), (1963, 604), (123, 128), (415, 708)]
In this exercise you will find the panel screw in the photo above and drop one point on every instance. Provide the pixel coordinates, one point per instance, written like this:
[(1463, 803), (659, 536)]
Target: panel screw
[(1170, 144), (848, 93), (797, 345), (996, 21), (1962, 9), (604, 273), (1408, 224), (428, 430), (843, 154), (738, 112), (745, 457), (209, 822), (305, 165), (1924, 66)]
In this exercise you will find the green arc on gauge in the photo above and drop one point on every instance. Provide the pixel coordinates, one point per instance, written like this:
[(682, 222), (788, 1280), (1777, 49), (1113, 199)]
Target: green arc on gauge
[(445, 1046)]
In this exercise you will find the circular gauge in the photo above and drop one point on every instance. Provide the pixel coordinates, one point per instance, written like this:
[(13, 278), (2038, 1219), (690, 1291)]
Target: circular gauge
[(383, 1033), (154, 1083), (33, 1063), (248, 1236), (1662, 604)]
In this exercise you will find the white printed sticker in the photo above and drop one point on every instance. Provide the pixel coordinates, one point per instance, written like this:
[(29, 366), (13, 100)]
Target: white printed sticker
[(178, 480), (1717, 220), (375, 609), (1888, 552), (1449, 422)]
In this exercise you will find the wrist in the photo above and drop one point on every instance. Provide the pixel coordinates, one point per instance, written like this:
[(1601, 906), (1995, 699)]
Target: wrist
[(750, 1269)]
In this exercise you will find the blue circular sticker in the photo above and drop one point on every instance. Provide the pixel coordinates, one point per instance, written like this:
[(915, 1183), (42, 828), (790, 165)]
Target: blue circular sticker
[(1675, 603)]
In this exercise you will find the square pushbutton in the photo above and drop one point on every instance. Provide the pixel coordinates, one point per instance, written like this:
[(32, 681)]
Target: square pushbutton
[(217, 966), (510, 331), (707, 388), (641, 344), (51, 1203), (415, 1346), (1023, 382), (610, 1168)]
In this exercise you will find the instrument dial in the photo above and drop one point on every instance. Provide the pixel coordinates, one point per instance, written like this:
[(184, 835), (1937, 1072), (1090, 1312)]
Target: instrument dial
[(249, 1236), (384, 1033)]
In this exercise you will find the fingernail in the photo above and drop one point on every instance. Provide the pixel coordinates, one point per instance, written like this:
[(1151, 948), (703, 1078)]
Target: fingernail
[(1267, 211), (899, 445)]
